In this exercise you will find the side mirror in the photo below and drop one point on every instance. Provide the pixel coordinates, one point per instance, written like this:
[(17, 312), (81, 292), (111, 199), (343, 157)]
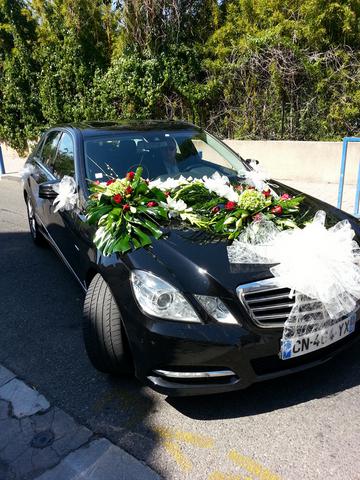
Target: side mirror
[(251, 160), (46, 189)]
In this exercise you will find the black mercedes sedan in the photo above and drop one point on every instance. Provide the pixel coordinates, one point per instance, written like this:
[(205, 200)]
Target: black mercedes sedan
[(176, 314)]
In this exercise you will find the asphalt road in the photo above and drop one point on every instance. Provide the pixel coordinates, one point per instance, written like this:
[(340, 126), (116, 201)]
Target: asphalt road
[(305, 426)]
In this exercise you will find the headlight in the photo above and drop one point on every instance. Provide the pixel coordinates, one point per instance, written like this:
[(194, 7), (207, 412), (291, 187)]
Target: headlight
[(160, 299), (216, 308)]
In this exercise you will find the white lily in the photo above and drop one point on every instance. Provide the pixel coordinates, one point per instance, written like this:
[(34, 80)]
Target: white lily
[(175, 207), (169, 183), (220, 185)]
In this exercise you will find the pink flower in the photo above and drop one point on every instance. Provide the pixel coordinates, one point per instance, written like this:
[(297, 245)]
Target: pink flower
[(215, 209), (258, 217), (128, 190), (266, 193), (285, 196), (109, 182), (152, 204), (130, 176), (126, 207)]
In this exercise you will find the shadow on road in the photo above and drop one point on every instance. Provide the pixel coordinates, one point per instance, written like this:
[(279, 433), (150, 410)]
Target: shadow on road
[(41, 341)]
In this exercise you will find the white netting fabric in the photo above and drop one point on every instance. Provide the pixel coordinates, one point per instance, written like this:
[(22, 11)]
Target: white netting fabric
[(254, 244), (27, 171), (67, 196), (321, 267)]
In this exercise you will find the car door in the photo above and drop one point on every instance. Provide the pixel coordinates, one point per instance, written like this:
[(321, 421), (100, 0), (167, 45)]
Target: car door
[(41, 161), (62, 226)]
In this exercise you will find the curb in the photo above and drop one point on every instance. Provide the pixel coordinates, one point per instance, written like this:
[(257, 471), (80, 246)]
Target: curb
[(42, 442)]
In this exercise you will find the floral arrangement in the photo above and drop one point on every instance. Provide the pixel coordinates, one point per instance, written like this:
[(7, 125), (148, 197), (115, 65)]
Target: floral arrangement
[(128, 212)]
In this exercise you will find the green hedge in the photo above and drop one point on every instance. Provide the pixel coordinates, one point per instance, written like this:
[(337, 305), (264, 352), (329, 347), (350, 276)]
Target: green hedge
[(250, 69)]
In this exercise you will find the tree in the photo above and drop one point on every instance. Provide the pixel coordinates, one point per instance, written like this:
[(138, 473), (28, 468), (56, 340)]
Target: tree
[(19, 106)]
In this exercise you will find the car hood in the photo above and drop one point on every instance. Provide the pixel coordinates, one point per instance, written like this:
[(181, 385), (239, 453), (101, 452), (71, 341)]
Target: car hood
[(198, 263)]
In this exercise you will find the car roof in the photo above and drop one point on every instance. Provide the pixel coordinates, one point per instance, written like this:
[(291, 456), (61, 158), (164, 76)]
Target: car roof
[(96, 128)]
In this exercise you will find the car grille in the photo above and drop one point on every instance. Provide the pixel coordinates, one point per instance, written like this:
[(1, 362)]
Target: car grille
[(268, 305)]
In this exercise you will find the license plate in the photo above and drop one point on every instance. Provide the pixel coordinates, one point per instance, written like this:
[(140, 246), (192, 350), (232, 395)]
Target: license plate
[(304, 344)]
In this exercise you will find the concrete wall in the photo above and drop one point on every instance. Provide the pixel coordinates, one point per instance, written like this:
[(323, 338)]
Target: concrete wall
[(301, 161), (304, 161), (12, 161)]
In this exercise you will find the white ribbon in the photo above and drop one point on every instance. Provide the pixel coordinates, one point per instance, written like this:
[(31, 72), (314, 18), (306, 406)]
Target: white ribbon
[(257, 177), (67, 196)]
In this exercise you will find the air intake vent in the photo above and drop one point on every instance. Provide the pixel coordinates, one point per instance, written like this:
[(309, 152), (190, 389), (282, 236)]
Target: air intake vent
[(268, 305)]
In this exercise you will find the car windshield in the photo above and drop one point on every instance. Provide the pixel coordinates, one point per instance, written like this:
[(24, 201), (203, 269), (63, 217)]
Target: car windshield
[(161, 154)]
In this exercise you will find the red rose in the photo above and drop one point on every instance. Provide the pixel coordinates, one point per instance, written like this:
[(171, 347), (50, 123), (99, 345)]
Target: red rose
[(285, 196), (152, 204), (277, 210), (117, 198), (126, 207), (130, 176), (128, 190), (230, 205), (215, 209), (266, 193), (109, 182)]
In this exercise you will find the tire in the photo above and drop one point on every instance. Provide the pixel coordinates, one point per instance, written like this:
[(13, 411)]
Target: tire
[(36, 235), (104, 336)]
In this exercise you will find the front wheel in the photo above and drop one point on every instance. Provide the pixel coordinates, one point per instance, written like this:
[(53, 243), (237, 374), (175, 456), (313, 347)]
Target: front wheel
[(35, 233), (104, 336)]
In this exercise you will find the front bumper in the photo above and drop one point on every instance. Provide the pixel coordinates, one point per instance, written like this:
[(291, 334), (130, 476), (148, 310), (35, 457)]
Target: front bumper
[(176, 350)]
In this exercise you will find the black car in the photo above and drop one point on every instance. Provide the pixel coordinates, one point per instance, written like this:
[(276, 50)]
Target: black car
[(178, 314)]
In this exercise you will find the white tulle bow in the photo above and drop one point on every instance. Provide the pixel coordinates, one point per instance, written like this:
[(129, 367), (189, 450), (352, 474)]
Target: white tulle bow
[(257, 177), (27, 171), (67, 196), (321, 266)]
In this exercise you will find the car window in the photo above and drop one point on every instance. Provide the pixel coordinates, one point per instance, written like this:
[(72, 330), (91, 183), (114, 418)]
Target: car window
[(160, 153), (49, 149), (64, 163)]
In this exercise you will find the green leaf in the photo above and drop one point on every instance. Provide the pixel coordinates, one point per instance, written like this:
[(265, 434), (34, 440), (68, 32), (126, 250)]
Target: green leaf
[(143, 238), (229, 220), (122, 245), (156, 232), (94, 215)]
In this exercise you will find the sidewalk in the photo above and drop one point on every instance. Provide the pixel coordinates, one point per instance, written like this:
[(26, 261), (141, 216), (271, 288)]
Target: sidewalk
[(40, 441)]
